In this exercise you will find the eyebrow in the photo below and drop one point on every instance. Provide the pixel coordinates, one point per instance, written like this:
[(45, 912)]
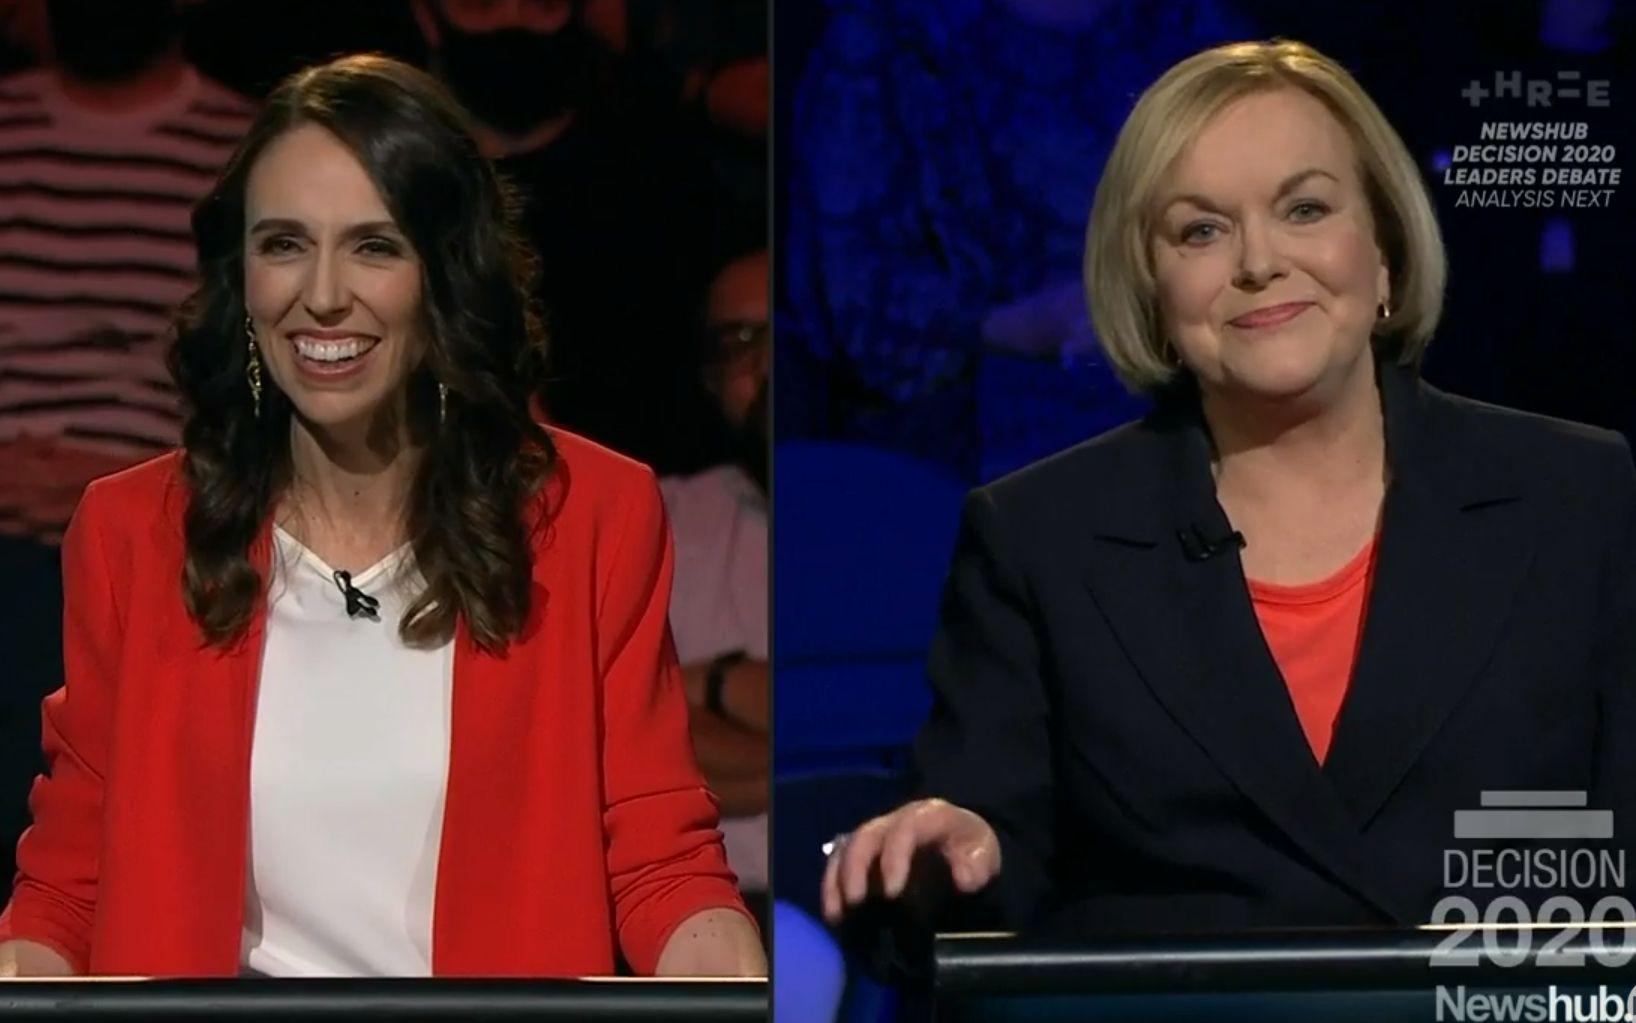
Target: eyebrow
[(267, 224), (1288, 185)]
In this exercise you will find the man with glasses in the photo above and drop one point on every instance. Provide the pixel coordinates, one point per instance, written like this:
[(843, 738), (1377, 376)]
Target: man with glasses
[(718, 609)]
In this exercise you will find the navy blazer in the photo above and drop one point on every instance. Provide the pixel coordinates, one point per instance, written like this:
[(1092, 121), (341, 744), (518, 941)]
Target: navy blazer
[(1108, 703)]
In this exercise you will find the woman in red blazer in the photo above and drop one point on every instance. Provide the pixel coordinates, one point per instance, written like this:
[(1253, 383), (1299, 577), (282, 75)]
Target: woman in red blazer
[(357, 366)]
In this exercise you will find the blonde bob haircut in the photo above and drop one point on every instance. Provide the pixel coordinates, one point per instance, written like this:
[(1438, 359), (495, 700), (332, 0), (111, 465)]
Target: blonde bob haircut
[(1119, 285)]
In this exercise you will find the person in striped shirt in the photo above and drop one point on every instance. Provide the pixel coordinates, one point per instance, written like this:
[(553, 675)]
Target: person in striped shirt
[(103, 152)]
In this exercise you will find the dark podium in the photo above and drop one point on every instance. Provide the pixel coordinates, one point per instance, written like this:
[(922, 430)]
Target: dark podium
[(1334, 976), (594, 1001)]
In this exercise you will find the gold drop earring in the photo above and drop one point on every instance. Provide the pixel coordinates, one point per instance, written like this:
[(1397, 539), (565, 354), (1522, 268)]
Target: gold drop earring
[(252, 366)]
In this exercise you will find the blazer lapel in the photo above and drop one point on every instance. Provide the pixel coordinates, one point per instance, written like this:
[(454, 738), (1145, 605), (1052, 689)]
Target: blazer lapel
[(493, 862), (1190, 630), (495, 757), (209, 698), (1456, 542)]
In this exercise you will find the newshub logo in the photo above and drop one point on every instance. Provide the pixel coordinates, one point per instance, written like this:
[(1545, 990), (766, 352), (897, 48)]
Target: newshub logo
[(1604, 1005)]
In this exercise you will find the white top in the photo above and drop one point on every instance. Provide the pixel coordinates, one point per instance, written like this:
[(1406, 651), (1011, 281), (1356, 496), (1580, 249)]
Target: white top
[(718, 603), (348, 768)]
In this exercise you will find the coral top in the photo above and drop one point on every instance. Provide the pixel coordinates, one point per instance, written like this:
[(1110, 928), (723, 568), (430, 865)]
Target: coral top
[(1313, 632), (576, 824)]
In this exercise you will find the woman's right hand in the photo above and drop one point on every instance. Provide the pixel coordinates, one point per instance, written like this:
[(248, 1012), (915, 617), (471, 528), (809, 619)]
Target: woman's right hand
[(963, 839), (22, 958)]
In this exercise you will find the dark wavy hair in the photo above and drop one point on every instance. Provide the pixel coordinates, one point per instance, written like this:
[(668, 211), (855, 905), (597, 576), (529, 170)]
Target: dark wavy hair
[(485, 342)]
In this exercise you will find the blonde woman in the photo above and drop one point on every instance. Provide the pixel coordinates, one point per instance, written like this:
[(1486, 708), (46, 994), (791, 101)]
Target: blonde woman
[(1238, 663)]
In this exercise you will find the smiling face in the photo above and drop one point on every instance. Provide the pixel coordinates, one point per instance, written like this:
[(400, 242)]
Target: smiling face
[(332, 285), (1264, 251)]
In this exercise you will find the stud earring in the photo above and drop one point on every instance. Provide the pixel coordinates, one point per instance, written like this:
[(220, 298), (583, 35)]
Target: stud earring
[(252, 366), (1385, 311)]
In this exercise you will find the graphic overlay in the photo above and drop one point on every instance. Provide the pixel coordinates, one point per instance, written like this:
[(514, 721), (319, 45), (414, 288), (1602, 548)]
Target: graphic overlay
[(1537, 145), (1533, 814), (1602, 1004), (1530, 871)]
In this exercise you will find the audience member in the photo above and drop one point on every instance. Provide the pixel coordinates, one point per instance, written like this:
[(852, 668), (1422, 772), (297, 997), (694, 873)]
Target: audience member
[(103, 151), (718, 608), (616, 204)]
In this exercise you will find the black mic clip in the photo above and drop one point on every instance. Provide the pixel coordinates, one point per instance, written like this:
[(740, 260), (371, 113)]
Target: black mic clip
[(1197, 547), (358, 602)]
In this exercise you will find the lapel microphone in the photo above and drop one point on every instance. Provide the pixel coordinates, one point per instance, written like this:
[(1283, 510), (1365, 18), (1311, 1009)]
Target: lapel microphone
[(1197, 547), (358, 602)]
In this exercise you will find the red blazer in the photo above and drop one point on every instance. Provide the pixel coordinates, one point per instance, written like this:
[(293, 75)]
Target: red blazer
[(575, 820)]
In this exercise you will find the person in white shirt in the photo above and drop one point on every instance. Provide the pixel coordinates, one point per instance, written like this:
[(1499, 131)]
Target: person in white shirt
[(718, 610)]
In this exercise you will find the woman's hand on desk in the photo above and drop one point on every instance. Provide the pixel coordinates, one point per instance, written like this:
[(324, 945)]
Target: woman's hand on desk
[(713, 943), (22, 958), (964, 840)]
